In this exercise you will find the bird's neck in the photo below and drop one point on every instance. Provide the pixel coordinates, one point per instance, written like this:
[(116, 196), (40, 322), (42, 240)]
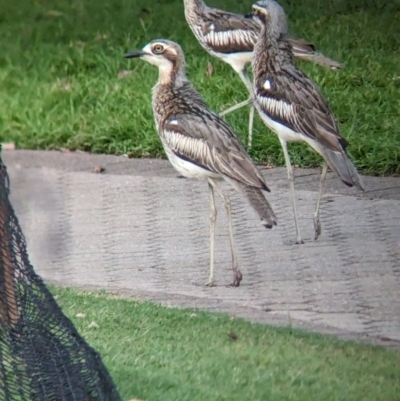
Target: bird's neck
[(169, 83), (271, 51), (174, 97), (193, 6), (165, 75), (171, 74)]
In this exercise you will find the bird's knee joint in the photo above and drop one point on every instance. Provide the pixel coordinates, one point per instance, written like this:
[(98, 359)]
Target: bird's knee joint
[(227, 203)]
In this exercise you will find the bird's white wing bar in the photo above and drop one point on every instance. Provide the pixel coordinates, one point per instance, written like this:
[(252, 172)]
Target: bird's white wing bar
[(230, 41), (210, 144), (276, 109), (188, 147), (191, 148), (227, 37)]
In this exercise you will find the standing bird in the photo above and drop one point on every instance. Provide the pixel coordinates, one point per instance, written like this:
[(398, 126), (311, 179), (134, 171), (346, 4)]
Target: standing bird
[(199, 144), (231, 38), (292, 106)]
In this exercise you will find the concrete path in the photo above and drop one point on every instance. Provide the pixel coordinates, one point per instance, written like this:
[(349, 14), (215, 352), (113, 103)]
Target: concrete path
[(138, 230)]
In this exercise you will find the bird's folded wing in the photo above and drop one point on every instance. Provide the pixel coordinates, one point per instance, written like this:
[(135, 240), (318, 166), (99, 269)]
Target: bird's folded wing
[(301, 46), (292, 99), (229, 33), (206, 140)]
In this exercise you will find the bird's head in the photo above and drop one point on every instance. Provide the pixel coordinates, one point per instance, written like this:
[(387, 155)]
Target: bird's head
[(270, 13), (165, 54)]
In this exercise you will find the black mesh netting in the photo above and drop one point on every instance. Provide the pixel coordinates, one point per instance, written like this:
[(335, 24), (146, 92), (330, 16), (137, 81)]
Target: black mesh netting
[(42, 356)]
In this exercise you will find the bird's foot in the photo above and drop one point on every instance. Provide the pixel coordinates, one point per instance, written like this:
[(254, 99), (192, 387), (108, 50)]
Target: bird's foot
[(317, 228), (293, 242), (237, 278), (210, 283)]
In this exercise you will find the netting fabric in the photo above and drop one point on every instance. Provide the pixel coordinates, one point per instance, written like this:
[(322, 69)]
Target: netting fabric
[(42, 356)]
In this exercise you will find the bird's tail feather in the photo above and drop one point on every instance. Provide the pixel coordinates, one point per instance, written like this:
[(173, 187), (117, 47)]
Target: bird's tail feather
[(315, 57), (259, 203), (341, 164)]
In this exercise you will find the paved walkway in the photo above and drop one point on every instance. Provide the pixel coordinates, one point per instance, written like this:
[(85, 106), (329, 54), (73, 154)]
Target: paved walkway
[(139, 230)]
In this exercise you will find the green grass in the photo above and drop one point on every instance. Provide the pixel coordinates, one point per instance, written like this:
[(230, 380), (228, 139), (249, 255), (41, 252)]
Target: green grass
[(59, 63), (161, 354)]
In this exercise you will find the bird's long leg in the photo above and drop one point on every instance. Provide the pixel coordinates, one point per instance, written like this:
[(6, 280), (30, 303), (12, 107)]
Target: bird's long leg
[(237, 275), (213, 218), (236, 106), (244, 76), (291, 183), (251, 121), (317, 224), (249, 85)]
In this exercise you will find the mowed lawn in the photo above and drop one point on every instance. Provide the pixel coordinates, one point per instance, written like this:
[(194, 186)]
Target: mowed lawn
[(165, 354), (63, 85)]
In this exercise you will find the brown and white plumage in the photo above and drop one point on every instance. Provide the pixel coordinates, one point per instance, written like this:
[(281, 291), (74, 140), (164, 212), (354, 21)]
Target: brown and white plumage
[(223, 33), (199, 138), (198, 143), (231, 38), (291, 105)]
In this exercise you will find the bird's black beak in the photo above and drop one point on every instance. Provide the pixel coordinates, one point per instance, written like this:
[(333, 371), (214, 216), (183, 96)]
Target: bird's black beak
[(249, 16), (135, 54)]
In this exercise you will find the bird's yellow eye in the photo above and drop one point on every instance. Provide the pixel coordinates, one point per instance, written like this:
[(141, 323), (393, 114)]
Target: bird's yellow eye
[(158, 49), (254, 9)]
